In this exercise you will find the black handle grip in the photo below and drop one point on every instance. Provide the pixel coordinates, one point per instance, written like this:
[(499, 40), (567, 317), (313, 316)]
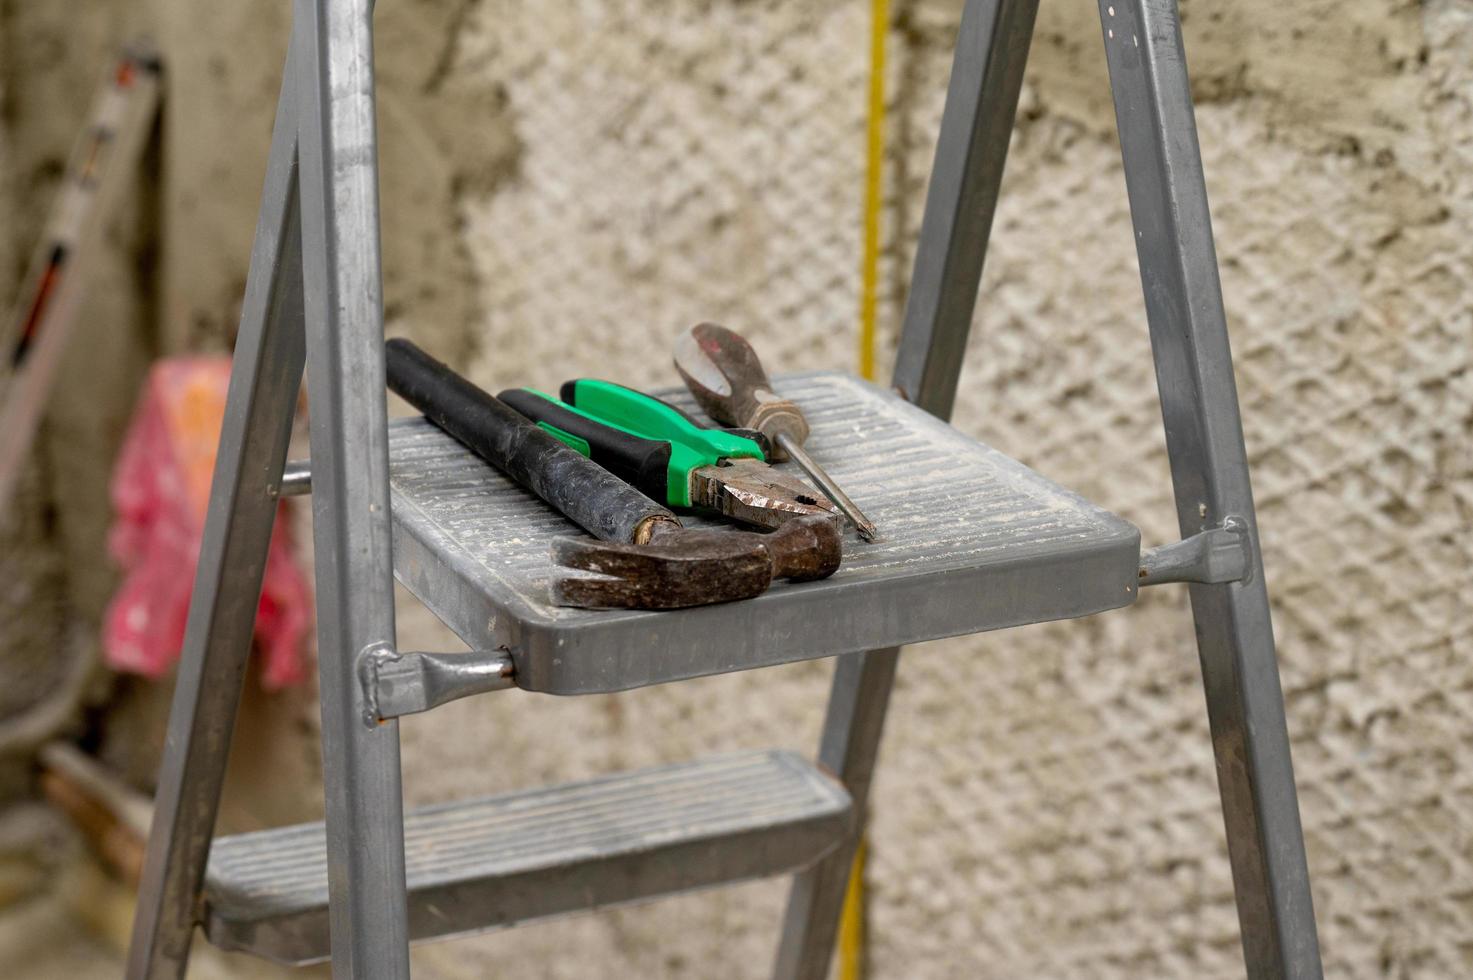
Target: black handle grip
[(643, 462), (584, 492)]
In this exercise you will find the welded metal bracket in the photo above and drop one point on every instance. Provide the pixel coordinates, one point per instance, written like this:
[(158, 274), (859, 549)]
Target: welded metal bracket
[(396, 684), (296, 479), (1216, 555)]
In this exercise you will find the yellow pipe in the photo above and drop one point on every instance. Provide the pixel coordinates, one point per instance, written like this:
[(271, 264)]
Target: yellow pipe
[(873, 183), (851, 921)]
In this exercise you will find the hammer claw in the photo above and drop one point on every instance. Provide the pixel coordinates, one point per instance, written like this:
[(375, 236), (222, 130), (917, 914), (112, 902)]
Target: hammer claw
[(683, 567), (659, 576)]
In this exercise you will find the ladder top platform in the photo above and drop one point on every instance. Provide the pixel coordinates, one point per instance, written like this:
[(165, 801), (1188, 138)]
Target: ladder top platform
[(971, 541)]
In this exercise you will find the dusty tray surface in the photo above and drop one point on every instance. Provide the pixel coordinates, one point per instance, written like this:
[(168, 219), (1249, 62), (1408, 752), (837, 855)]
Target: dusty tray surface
[(972, 540)]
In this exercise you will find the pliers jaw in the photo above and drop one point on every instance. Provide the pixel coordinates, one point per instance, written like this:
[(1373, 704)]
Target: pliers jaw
[(752, 492)]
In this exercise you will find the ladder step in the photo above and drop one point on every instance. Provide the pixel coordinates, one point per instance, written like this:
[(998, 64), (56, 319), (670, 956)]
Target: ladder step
[(500, 860), (971, 540)]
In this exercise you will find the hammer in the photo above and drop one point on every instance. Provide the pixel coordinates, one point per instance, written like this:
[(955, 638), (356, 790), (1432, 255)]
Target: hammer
[(644, 558)]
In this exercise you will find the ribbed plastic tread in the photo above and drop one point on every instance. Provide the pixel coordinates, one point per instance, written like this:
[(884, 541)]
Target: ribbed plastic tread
[(496, 861)]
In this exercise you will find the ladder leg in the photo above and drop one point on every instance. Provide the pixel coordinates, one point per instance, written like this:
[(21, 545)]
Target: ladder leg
[(981, 103), (350, 484), (851, 740), (264, 383), (1204, 436)]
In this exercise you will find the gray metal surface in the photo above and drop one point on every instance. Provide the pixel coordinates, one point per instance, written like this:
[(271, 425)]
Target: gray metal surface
[(480, 864), (851, 742), (350, 496), (264, 384), (973, 541), (1218, 554), (296, 479), (1209, 470), (406, 683), (971, 150)]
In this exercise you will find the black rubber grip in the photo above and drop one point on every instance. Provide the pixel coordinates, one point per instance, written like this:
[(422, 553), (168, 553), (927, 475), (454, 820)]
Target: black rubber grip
[(583, 491), (633, 459)]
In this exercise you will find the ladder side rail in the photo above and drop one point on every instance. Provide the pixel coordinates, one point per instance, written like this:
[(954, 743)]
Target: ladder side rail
[(265, 381), (350, 485), (961, 198), (971, 150), (852, 727), (1188, 327)]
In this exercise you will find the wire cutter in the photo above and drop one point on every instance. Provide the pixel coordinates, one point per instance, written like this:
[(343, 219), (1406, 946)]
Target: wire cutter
[(668, 455)]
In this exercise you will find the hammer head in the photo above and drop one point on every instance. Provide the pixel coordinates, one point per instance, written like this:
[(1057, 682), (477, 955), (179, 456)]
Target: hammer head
[(682, 567)]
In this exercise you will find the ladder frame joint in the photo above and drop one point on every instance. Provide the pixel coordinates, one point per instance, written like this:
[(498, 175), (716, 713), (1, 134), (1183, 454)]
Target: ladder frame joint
[(1215, 556), (296, 479), (397, 684), (371, 663)]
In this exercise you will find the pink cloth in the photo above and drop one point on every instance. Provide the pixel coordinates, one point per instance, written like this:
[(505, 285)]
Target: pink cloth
[(160, 492)]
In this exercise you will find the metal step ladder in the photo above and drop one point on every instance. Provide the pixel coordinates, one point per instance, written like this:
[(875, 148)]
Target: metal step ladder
[(404, 499)]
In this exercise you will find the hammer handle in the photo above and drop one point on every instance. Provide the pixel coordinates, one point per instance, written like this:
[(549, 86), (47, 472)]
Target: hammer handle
[(724, 374), (581, 490)]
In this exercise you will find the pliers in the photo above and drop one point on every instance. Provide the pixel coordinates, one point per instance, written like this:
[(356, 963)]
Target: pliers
[(668, 455)]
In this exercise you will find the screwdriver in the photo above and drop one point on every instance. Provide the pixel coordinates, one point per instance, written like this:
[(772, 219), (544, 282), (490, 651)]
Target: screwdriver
[(723, 373)]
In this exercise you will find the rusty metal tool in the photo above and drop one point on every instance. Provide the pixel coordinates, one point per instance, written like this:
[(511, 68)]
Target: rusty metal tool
[(669, 455), (724, 374), (644, 559), (680, 567)]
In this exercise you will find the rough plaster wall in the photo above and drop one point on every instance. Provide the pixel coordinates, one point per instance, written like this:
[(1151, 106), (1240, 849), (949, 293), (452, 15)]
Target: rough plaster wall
[(443, 134)]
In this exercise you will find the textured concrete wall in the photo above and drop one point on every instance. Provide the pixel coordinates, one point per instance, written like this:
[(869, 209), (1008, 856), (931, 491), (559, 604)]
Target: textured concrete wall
[(1045, 804)]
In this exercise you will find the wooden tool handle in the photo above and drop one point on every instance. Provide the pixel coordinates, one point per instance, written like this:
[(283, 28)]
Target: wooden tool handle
[(581, 490), (723, 373)]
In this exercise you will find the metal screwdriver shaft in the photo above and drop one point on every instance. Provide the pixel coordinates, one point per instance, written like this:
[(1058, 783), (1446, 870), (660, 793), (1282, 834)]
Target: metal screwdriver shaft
[(723, 373), (865, 526)]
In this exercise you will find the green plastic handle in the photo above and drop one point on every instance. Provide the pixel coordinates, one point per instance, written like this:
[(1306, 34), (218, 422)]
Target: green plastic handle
[(667, 445), (648, 416)]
